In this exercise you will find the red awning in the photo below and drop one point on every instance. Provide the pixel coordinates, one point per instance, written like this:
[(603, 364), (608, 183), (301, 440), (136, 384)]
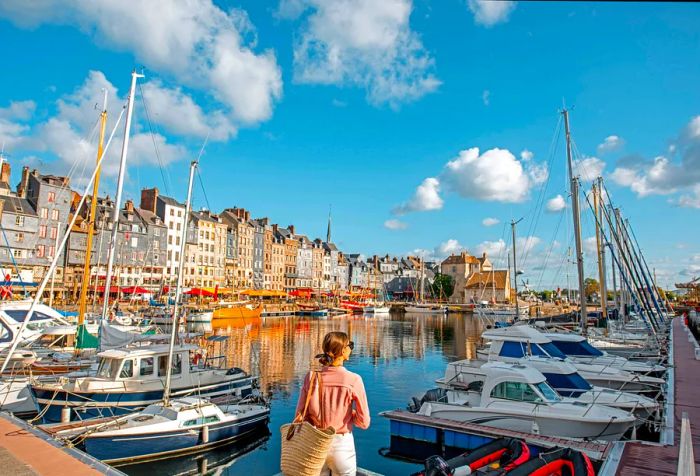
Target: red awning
[(112, 289), (135, 290), (199, 292)]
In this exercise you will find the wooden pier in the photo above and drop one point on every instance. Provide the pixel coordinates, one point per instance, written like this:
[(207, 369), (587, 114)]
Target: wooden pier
[(26, 451), (684, 388)]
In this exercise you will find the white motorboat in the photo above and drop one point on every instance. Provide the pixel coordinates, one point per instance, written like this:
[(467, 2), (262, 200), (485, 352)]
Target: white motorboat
[(376, 309), (12, 313), (562, 377), (579, 350), (517, 397), (509, 344)]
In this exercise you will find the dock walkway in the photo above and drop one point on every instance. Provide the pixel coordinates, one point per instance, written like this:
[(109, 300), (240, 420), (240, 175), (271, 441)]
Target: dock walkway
[(25, 451), (648, 459)]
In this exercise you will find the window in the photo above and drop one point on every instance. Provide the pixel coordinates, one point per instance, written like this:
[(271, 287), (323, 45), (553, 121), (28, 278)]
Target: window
[(582, 348), (547, 349), (40, 251), (44, 212), (202, 420), (178, 226), (177, 241), (108, 368), (52, 197), (163, 365), (42, 231), (568, 385), (179, 213), (146, 366), (127, 369), (134, 242), (518, 391), (54, 215), (52, 250), (172, 212), (170, 240), (19, 237), (54, 232), (19, 220), (156, 232), (513, 349)]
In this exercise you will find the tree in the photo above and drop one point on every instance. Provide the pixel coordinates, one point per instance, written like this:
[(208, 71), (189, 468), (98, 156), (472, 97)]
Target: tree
[(442, 286), (590, 287)]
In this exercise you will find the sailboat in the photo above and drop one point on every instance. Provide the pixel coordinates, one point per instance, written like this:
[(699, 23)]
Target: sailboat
[(421, 307), (173, 426), (130, 378)]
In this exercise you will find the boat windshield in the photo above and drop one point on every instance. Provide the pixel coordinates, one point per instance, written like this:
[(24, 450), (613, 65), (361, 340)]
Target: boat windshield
[(580, 348), (108, 368), (547, 349), (549, 394), (568, 385)]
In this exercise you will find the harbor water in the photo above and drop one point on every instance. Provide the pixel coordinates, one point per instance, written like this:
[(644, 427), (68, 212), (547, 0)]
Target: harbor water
[(398, 356)]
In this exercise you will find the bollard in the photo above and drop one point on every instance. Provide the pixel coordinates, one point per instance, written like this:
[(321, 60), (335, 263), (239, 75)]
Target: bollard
[(205, 434), (65, 414)]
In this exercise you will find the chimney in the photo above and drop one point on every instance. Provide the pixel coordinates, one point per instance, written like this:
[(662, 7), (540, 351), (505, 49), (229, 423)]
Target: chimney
[(24, 183), (129, 206), (5, 173), (275, 228), (291, 229), (484, 255), (149, 198)]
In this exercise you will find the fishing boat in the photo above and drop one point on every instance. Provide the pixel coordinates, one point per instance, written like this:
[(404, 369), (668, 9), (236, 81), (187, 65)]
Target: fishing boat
[(517, 397), (184, 426), (237, 310), (130, 378)]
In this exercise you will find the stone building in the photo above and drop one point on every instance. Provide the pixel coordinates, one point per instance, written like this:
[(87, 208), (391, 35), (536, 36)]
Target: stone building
[(241, 227), (304, 263), (205, 264), (475, 279), (172, 213)]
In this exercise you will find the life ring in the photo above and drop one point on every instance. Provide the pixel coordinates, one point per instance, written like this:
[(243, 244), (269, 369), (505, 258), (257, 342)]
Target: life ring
[(508, 452), (560, 462)]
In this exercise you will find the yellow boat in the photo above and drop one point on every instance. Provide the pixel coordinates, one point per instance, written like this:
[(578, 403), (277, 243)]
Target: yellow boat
[(238, 311)]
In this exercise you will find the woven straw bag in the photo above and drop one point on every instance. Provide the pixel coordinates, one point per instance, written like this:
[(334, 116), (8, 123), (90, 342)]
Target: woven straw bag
[(305, 447)]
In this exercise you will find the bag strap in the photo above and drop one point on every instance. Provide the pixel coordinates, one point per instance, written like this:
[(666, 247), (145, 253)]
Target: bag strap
[(302, 416), (320, 399)]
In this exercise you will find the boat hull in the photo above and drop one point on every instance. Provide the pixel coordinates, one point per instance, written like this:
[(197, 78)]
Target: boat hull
[(234, 312), (50, 401), (130, 448)]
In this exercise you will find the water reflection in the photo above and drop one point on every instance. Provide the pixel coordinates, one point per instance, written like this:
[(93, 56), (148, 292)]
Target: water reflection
[(397, 356)]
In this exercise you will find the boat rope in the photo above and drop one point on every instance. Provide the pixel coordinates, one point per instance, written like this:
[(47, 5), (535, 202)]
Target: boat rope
[(155, 144)]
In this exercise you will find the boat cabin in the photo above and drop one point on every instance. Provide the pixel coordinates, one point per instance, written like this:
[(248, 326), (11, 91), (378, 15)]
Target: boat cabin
[(574, 345)]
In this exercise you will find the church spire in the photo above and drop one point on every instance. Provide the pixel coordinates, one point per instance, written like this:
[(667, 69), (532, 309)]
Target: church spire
[(328, 232)]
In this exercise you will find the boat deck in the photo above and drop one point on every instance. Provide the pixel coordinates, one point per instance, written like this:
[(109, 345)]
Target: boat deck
[(648, 459), (25, 451)]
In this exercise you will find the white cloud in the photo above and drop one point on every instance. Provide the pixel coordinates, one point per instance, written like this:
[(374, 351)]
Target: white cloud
[(610, 143), (486, 96), (526, 155), (494, 249), (556, 204), (394, 224), (691, 200), (196, 42), (590, 246), (449, 247), (70, 134), (179, 114), (489, 13), (426, 198), (495, 175), (589, 168), (361, 43), (489, 221), (664, 176), (21, 110)]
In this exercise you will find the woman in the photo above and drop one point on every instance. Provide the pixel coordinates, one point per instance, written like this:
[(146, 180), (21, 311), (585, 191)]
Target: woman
[(344, 403)]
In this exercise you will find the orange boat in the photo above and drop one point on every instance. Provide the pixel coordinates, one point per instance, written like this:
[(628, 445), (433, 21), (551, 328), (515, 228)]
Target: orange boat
[(239, 311)]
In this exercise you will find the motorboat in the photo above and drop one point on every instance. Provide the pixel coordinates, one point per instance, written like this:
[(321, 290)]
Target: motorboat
[(562, 377), (12, 314), (510, 344), (376, 309), (184, 426), (517, 397), (579, 350), (130, 378)]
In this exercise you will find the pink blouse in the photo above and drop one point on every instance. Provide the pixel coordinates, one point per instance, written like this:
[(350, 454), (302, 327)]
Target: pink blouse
[(341, 388)]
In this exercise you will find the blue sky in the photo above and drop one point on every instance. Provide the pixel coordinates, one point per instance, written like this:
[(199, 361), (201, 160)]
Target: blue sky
[(357, 103)]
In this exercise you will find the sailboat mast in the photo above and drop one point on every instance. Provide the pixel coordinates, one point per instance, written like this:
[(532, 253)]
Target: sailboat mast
[(515, 270), (120, 186), (577, 223), (422, 280), (597, 204), (178, 288), (82, 307)]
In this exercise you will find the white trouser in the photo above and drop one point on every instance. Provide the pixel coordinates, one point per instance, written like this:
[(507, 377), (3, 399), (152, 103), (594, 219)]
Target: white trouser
[(341, 460)]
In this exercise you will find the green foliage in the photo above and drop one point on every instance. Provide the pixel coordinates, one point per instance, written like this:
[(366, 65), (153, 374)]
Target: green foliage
[(443, 286), (591, 286)]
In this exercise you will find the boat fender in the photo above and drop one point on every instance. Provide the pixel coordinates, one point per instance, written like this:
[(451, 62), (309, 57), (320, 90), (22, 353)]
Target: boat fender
[(65, 414), (205, 434), (557, 463)]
